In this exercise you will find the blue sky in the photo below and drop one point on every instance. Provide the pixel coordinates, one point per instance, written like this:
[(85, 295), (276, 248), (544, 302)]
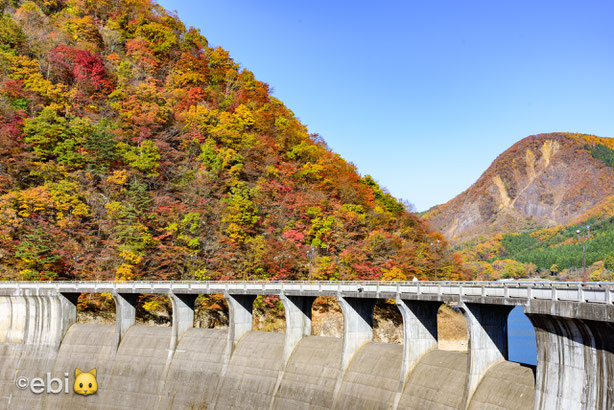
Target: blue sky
[(424, 95)]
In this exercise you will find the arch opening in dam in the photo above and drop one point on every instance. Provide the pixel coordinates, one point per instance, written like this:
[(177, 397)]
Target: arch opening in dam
[(324, 310), (156, 309), (211, 312), (521, 338), (269, 314), (387, 322), (183, 366), (95, 308)]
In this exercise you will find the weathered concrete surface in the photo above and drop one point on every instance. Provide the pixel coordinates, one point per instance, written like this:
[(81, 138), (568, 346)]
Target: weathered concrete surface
[(437, 382), (297, 310), (602, 312), (604, 350), (251, 375), (12, 345), (195, 371), (85, 346), (182, 367), (372, 378), (506, 385), (240, 318), (36, 324), (31, 362), (10, 354), (575, 363), (357, 331), (36, 320), (134, 376), (310, 375), (135, 379)]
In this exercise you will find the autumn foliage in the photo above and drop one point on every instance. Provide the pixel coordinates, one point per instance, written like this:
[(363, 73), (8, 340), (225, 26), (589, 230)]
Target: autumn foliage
[(130, 149)]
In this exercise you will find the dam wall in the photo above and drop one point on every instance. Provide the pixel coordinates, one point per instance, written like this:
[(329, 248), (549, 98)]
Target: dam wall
[(150, 367)]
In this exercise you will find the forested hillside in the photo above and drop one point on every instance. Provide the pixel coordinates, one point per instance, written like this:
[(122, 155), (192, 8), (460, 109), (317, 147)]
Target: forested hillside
[(130, 149), (549, 252)]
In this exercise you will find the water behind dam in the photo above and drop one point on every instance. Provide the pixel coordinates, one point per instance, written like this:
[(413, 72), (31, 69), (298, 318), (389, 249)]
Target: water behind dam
[(521, 338)]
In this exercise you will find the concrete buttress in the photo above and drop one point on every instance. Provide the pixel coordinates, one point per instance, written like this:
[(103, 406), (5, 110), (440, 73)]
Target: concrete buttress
[(419, 334), (487, 332), (125, 314), (298, 320), (240, 318), (357, 325), (41, 320), (68, 313), (183, 316), (241, 369), (357, 331), (297, 311), (240, 322)]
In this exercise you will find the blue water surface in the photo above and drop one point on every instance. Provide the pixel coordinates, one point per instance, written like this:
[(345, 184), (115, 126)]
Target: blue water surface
[(521, 338)]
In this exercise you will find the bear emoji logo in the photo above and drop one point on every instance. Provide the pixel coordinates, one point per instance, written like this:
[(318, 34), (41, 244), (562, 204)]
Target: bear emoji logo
[(85, 382)]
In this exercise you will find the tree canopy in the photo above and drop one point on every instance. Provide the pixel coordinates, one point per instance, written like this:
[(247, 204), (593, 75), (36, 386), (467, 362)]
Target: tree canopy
[(130, 149)]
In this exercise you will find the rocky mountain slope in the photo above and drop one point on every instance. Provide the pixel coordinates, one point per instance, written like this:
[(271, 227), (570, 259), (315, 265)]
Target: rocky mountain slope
[(543, 180)]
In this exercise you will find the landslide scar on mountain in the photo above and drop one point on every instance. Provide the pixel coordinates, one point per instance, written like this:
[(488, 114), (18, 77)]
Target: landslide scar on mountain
[(549, 148), (503, 196), (530, 158)]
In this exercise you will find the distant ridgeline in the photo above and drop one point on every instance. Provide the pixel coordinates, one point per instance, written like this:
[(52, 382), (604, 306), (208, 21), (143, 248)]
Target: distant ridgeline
[(130, 149)]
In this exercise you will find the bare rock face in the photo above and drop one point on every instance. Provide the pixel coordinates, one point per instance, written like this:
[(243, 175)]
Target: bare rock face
[(542, 180)]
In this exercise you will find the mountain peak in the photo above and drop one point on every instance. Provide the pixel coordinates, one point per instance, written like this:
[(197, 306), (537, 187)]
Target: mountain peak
[(542, 180)]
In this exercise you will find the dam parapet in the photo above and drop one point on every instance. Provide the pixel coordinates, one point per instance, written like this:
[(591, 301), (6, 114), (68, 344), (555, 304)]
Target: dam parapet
[(247, 369)]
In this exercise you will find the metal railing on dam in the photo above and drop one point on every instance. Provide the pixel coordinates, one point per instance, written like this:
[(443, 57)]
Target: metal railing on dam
[(500, 292), (574, 325)]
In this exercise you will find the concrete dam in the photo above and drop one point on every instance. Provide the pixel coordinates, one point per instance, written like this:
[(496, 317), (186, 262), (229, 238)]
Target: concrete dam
[(150, 367)]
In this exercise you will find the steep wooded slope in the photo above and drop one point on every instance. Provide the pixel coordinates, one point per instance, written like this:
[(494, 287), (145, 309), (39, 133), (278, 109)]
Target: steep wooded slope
[(131, 149)]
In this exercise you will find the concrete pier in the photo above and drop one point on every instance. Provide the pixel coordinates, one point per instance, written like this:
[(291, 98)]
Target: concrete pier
[(575, 366), (575, 352), (297, 311), (183, 315), (487, 328), (240, 319), (37, 320), (357, 325), (419, 331), (125, 313), (419, 335), (67, 313)]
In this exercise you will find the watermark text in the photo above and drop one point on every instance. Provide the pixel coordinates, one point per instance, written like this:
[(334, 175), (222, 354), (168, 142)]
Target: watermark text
[(39, 385)]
